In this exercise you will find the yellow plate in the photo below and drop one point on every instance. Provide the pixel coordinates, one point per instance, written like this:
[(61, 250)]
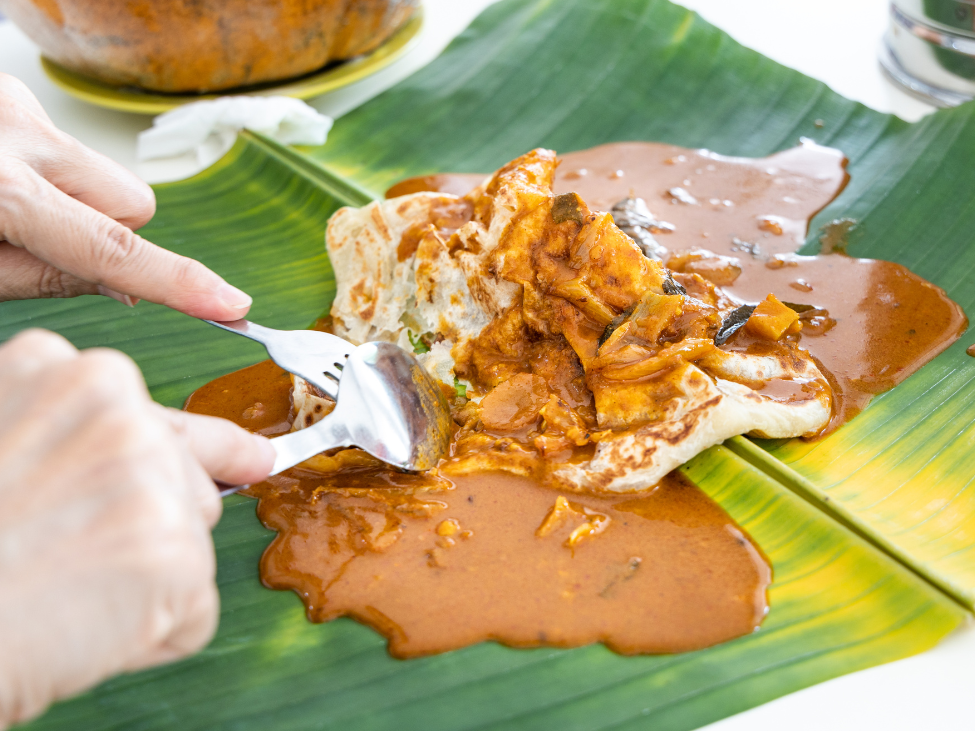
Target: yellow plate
[(129, 99)]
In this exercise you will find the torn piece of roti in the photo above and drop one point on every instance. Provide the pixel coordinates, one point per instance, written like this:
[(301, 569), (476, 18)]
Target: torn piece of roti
[(586, 363)]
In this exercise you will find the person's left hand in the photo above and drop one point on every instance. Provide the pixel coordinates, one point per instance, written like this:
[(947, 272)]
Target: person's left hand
[(67, 216)]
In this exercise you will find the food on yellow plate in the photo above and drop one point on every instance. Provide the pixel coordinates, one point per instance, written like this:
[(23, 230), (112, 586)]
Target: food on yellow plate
[(178, 46), (595, 325)]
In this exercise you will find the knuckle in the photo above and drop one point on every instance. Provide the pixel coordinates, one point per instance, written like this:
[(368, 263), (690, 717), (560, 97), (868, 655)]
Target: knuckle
[(128, 444), (23, 120), (29, 354), (22, 191), (17, 184), (35, 340), (10, 174), (183, 623), (113, 363), (121, 247), (123, 428), (13, 111), (211, 506), (178, 421), (200, 619), (123, 244), (186, 272), (110, 377), (36, 346), (53, 283)]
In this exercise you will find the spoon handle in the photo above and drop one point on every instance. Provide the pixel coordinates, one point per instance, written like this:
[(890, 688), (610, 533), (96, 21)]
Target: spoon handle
[(298, 446)]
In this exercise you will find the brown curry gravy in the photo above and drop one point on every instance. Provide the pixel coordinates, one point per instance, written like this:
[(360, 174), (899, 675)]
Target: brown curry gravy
[(883, 323), (435, 565), (493, 556)]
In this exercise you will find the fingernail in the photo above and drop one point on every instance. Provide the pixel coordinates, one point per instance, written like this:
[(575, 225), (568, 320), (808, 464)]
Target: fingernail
[(233, 297), (125, 299)]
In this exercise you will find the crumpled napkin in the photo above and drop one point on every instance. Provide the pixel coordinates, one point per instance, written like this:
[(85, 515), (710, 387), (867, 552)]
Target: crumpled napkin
[(210, 127)]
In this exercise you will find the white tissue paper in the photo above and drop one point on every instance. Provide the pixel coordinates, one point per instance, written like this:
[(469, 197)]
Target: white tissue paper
[(210, 127)]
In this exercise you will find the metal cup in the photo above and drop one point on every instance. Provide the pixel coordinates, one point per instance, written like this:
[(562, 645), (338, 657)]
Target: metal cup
[(929, 49)]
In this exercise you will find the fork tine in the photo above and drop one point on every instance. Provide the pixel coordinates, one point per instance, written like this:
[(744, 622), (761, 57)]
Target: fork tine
[(301, 352), (333, 373)]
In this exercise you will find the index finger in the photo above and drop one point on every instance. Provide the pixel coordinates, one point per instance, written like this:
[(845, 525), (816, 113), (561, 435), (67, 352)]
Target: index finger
[(227, 452), (78, 240)]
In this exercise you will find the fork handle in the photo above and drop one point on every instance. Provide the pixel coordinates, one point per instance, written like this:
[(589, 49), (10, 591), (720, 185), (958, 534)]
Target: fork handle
[(268, 336), (298, 446), (246, 328)]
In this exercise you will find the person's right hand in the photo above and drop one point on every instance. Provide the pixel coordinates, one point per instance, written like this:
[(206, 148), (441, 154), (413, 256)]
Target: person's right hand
[(67, 216), (106, 505)]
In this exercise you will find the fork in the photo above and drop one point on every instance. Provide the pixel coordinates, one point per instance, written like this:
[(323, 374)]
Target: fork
[(316, 356)]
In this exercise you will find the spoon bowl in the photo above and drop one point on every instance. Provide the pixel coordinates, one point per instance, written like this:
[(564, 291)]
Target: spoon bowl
[(391, 408)]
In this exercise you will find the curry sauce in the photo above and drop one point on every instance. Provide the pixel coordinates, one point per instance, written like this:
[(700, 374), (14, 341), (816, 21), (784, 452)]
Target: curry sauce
[(876, 322), (490, 546), (435, 564)]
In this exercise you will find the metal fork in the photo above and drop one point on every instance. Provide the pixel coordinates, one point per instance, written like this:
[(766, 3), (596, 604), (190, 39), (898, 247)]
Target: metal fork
[(316, 356)]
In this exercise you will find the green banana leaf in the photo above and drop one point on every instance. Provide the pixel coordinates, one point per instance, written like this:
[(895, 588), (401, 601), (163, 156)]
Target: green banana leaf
[(574, 74), (850, 591)]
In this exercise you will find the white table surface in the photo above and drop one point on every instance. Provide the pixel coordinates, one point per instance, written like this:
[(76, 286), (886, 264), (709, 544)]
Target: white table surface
[(831, 40)]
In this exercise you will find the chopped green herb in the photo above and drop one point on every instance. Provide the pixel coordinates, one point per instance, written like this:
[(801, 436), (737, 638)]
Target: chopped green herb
[(460, 389), (418, 345)]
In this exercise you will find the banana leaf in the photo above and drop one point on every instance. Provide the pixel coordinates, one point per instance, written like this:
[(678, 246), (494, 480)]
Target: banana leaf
[(566, 75), (575, 74)]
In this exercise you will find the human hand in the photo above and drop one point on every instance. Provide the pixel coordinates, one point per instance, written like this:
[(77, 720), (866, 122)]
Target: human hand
[(66, 220), (106, 560)]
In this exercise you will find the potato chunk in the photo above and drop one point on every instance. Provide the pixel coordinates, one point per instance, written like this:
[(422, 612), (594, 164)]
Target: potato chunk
[(772, 319)]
